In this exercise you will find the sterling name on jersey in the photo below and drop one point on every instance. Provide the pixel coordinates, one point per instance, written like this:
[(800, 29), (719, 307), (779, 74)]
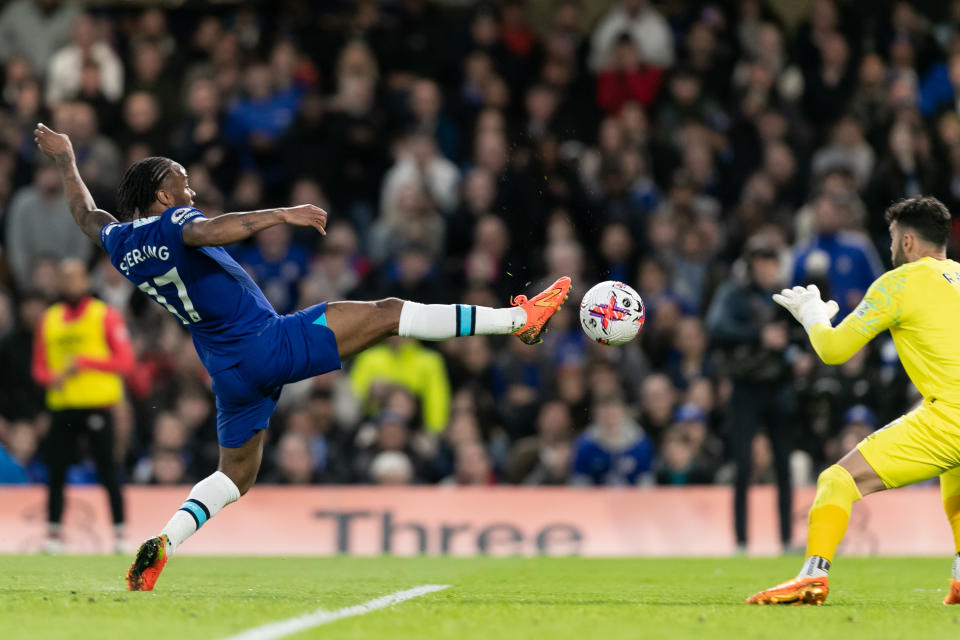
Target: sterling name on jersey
[(203, 287)]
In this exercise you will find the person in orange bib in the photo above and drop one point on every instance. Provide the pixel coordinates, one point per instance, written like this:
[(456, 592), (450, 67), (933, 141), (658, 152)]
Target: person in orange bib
[(81, 352)]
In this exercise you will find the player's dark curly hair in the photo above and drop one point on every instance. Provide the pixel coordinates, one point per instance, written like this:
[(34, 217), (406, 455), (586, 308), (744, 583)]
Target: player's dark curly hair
[(925, 215), (138, 186)]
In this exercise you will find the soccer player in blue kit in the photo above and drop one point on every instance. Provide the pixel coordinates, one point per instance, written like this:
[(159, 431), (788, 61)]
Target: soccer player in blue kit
[(174, 254)]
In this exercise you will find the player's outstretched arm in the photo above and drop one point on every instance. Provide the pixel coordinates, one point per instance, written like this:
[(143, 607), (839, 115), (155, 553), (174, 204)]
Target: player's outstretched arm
[(834, 345), (84, 210), (234, 227)]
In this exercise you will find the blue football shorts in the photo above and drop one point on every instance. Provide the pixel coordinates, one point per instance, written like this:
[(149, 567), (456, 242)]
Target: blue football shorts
[(290, 348)]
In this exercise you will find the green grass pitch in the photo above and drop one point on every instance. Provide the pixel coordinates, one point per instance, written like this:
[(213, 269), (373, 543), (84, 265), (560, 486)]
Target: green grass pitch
[(208, 598)]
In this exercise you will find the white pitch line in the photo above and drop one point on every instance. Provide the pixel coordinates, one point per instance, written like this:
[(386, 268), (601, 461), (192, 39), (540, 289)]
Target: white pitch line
[(283, 628)]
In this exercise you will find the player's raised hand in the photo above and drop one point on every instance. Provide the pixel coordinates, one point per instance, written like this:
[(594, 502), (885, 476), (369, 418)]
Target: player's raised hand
[(805, 304), (52, 143), (306, 215)]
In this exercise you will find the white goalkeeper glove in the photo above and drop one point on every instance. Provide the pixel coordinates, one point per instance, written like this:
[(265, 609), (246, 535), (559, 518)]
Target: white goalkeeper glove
[(806, 306)]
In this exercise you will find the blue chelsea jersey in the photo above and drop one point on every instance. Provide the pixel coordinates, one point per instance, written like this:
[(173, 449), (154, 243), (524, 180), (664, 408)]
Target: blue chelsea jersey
[(203, 287)]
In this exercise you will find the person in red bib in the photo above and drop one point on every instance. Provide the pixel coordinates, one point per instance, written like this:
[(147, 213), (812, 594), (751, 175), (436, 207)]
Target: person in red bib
[(81, 352)]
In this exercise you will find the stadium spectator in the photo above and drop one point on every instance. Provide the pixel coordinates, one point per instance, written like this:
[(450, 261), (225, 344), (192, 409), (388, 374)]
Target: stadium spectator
[(338, 269), (81, 351), (657, 399), (614, 450), (828, 85), (745, 322), (168, 468), (904, 170), (257, 121), (624, 77), (472, 466), (711, 58), (295, 463), (21, 398), (391, 468), (427, 115), (21, 445), (35, 29), (143, 133), (11, 471), (65, 73), (169, 436), (677, 464), (98, 158), (326, 441), (858, 422), (202, 136), (39, 225), (644, 24), (150, 73), (685, 103), (278, 265), (419, 163), (464, 427), (838, 256), (847, 149), (391, 433), (543, 459), (355, 125), (690, 359)]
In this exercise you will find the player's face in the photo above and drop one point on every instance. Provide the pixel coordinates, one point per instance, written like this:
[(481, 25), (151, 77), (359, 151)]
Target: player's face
[(178, 187), (897, 253)]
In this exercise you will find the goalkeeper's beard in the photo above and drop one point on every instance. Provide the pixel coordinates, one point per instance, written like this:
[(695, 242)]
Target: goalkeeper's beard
[(897, 255)]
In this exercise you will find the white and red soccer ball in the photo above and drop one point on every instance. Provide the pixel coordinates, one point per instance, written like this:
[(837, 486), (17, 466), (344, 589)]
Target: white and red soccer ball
[(611, 313)]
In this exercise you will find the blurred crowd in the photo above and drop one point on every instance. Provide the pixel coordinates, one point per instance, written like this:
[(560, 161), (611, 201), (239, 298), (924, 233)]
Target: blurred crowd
[(708, 153)]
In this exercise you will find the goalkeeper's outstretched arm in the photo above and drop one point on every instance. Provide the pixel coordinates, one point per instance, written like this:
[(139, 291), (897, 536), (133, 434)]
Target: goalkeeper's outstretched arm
[(834, 345)]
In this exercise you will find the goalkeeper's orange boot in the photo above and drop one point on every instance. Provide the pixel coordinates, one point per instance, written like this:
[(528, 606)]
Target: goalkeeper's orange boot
[(796, 591), (953, 596), (146, 567), (540, 309)]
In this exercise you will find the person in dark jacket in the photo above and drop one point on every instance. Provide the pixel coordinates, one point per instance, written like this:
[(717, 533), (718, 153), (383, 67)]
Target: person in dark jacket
[(745, 322)]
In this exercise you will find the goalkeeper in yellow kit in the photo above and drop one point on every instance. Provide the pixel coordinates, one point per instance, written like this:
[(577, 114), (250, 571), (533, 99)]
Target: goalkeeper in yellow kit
[(919, 302)]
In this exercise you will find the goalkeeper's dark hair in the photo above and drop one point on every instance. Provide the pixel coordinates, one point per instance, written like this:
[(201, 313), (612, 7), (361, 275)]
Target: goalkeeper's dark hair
[(139, 185), (925, 215)]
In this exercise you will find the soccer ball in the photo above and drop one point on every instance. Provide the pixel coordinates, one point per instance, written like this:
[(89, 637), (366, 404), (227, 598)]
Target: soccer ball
[(611, 313)]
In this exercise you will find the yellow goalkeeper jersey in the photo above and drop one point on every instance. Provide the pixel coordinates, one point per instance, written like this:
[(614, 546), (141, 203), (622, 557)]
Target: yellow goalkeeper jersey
[(919, 303)]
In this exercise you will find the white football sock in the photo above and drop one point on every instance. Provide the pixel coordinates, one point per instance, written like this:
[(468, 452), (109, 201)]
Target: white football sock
[(814, 567), (445, 321), (956, 567), (206, 499)]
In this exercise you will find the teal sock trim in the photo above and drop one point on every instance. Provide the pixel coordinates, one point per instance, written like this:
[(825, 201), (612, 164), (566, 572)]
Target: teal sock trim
[(466, 315), (198, 511)]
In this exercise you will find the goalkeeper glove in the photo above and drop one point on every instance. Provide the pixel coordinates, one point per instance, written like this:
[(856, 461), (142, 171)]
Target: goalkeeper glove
[(806, 306)]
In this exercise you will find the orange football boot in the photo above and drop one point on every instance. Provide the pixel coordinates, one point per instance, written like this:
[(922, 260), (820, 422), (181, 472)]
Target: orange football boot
[(953, 596), (796, 591), (540, 309), (146, 567)]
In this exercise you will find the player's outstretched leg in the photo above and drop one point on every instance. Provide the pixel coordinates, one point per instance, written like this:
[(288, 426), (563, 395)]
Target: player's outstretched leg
[(359, 325), (838, 487), (237, 473), (950, 490)]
